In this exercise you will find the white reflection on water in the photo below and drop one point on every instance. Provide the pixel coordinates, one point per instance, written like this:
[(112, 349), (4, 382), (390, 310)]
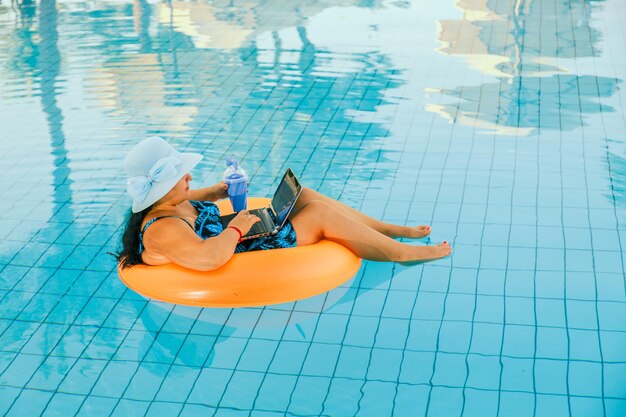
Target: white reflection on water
[(531, 48)]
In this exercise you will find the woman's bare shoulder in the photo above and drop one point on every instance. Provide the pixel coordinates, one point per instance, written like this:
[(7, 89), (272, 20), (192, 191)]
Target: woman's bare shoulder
[(186, 211), (169, 230)]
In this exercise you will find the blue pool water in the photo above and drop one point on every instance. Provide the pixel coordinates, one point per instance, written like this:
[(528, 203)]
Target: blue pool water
[(499, 123)]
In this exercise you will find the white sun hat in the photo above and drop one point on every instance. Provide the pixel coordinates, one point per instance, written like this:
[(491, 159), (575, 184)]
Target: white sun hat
[(153, 167)]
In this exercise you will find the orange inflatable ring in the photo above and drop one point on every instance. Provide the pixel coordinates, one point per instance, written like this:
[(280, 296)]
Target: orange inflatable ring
[(248, 279)]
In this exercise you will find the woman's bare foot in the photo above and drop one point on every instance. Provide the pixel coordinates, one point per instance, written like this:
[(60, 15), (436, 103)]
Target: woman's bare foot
[(416, 232), (427, 253)]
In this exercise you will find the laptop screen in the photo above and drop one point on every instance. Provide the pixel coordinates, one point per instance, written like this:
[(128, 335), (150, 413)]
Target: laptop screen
[(285, 197)]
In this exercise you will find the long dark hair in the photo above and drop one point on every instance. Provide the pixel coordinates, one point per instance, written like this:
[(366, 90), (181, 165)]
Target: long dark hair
[(129, 254)]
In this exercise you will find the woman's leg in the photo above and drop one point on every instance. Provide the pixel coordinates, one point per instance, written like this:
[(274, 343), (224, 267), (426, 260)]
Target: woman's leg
[(319, 220), (391, 230)]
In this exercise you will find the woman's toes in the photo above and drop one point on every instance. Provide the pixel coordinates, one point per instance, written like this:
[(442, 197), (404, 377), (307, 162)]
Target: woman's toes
[(421, 231), (445, 248)]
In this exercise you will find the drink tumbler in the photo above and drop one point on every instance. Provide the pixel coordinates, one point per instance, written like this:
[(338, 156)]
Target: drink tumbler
[(237, 181)]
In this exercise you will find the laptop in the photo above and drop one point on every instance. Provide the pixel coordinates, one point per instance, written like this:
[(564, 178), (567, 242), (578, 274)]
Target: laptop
[(274, 217)]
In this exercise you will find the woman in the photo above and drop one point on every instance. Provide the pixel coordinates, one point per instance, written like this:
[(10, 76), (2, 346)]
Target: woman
[(188, 231)]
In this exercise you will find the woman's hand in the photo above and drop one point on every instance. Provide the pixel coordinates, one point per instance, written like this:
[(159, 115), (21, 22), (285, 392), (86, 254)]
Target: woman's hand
[(211, 193), (219, 191), (244, 220)]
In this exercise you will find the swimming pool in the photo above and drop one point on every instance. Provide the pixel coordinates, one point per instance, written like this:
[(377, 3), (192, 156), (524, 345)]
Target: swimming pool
[(500, 123)]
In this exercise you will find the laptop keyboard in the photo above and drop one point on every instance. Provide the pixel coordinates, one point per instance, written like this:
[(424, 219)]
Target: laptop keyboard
[(257, 228)]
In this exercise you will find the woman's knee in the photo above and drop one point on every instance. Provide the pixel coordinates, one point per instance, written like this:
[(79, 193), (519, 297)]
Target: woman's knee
[(319, 207), (307, 195), (309, 222), (315, 212)]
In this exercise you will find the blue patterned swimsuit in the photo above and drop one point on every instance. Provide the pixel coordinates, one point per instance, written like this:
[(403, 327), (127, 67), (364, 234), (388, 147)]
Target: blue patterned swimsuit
[(208, 225)]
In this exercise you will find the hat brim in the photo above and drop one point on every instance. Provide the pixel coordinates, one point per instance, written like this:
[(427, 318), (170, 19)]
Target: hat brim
[(188, 161)]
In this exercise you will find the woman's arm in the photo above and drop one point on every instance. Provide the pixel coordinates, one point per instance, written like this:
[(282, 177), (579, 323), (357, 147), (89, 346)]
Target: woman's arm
[(173, 239), (211, 193)]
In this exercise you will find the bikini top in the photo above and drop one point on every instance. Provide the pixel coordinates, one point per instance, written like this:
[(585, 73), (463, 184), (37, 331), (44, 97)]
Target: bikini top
[(207, 223), (152, 221)]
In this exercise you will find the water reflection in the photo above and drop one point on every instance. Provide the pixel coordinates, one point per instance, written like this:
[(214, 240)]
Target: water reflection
[(168, 79), (616, 164), (23, 51), (35, 63), (523, 44), (289, 86), (522, 105), (165, 80), (142, 12), (231, 24), (48, 65)]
